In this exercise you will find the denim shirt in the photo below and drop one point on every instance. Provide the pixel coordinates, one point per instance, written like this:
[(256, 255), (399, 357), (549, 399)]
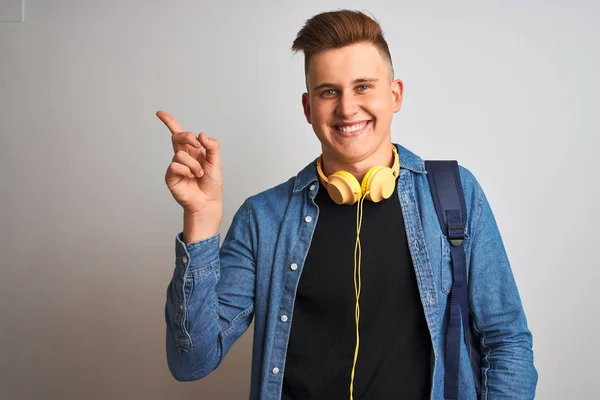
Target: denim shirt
[(217, 290)]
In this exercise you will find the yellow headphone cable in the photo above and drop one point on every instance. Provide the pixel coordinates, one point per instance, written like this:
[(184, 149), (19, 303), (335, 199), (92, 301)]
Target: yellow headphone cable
[(357, 285)]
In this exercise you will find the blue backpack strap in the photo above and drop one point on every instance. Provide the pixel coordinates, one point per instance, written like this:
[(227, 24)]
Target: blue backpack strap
[(449, 201)]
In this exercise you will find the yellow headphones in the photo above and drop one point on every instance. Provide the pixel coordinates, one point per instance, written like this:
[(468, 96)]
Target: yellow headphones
[(378, 183), (343, 188)]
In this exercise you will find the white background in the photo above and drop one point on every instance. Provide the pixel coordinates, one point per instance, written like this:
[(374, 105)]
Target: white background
[(87, 225)]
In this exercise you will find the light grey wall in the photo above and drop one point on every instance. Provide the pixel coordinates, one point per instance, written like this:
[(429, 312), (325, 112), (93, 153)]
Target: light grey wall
[(88, 226)]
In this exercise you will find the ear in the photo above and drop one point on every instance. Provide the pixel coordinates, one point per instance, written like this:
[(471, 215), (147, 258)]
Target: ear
[(306, 107), (397, 92)]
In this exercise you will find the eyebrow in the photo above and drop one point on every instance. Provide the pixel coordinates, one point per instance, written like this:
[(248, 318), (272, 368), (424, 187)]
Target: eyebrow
[(354, 82)]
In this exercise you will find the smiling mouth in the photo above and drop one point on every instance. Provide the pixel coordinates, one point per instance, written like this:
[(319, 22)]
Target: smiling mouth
[(353, 129)]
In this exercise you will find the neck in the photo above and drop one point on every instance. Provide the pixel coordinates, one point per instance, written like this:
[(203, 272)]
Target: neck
[(359, 168)]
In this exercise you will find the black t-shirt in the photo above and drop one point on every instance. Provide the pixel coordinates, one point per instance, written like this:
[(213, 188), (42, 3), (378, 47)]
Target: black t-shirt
[(395, 345)]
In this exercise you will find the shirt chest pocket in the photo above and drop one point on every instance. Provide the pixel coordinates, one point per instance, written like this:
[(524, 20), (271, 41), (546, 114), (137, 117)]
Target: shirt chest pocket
[(446, 270)]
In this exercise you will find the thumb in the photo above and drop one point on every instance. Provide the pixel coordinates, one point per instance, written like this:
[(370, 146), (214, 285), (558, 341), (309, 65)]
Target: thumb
[(213, 154)]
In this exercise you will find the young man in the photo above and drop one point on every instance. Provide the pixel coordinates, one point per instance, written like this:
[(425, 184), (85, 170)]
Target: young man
[(346, 274)]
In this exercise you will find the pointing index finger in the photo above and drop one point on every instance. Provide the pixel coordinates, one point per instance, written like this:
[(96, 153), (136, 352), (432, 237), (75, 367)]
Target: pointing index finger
[(169, 121)]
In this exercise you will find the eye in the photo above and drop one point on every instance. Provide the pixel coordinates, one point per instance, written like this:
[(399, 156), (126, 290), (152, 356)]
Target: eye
[(362, 88), (329, 92)]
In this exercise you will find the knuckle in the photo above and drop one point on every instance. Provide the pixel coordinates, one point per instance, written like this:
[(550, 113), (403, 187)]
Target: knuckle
[(179, 136)]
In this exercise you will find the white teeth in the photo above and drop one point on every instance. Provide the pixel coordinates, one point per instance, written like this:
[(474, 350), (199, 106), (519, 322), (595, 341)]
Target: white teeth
[(352, 128)]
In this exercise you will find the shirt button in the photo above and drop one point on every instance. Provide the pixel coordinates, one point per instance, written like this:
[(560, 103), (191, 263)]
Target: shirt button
[(417, 244), (184, 259), (312, 187), (294, 266), (275, 371), (181, 307), (284, 318), (308, 218)]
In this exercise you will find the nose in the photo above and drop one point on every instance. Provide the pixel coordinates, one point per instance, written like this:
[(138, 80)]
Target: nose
[(347, 105)]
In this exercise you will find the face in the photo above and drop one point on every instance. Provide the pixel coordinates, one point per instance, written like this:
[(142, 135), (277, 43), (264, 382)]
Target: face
[(350, 103)]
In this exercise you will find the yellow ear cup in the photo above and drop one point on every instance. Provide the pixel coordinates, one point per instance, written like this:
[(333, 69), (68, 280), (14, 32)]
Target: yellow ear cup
[(379, 182), (367, 178), (343, 188)]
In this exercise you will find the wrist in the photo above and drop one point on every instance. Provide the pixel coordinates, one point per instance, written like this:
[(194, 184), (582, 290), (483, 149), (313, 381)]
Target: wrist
[(198, 227)]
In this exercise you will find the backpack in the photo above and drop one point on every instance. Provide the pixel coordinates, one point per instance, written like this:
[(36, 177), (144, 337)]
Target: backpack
[(449, 201)]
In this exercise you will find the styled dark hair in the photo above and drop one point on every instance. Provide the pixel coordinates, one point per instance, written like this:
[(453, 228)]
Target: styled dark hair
[(336, 29)]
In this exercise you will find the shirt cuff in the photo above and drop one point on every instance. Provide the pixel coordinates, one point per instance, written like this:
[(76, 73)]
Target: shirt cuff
[(198, 254)]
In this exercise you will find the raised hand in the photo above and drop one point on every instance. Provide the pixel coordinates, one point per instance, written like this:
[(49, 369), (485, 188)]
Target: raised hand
[(194, 178)]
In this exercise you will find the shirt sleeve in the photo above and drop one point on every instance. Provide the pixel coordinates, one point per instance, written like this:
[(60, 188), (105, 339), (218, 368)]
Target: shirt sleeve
[(507, 370), (210, 299)]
